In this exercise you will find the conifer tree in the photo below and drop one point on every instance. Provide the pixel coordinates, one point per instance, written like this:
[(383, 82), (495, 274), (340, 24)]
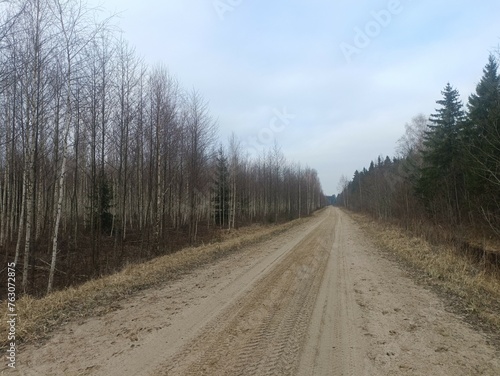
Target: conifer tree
[(483, 146), (483, 130), (484, 105), (441, 175)]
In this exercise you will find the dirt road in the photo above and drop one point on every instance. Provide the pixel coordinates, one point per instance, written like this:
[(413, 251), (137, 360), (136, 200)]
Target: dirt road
[(319, 299)]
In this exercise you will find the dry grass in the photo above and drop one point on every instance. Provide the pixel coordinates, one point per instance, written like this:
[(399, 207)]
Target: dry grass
[(471, 287), (38, 317)]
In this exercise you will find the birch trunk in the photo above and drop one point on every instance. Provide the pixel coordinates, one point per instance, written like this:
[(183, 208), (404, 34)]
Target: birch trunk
[(58, 211), (21, 220), (29, 217)]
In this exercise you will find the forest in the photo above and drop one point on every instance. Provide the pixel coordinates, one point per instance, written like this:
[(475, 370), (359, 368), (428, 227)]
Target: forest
[(105, 160), (444, 181)]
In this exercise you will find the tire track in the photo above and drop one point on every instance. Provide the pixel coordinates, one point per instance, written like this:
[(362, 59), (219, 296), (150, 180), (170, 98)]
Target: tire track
[(317, 300), (263, 332), (333, 346), (345, 360)]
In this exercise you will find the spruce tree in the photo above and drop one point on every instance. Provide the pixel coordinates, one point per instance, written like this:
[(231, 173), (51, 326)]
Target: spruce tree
[(483, 132), (484, 105), (441, 176)]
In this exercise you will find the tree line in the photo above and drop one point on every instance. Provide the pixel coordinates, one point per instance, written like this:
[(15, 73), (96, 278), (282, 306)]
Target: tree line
[(447, 171), (105, 160)]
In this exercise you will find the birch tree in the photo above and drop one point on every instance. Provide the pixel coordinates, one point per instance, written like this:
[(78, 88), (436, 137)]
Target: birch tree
[(73, 26), (200, 130), (34, 31)]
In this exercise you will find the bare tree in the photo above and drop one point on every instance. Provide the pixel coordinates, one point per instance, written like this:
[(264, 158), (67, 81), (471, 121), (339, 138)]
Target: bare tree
[(200, 132), (412, 142), (234, 172), (127, 81), (36, 49), (164, 94), (72, 22), (99, 151)]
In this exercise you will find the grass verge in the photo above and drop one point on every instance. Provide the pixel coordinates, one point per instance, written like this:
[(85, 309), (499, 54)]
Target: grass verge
[(38, 317), (471, 289)]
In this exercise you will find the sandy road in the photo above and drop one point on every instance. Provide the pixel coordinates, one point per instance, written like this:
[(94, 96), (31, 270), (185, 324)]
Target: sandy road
[(316, 300)]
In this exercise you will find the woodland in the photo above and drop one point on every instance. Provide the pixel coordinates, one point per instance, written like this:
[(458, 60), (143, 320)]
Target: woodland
[(106, 161), (444, 182)]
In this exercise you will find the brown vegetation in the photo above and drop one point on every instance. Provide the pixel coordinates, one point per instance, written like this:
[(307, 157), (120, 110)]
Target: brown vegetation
[(37, 317), (444, 184), (473, 283), (106, 161)]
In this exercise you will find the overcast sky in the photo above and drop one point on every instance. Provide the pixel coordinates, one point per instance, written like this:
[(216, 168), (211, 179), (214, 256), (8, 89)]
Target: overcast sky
[(333, 82)]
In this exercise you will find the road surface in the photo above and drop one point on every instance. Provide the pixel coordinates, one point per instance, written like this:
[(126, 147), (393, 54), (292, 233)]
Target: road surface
[(319, 299)]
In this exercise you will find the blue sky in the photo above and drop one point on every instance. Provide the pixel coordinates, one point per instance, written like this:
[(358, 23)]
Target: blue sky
[(280, 70)]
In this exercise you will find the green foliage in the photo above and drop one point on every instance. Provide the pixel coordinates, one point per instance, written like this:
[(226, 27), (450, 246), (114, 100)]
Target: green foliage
[(483, 134), (484, 105), (449, 172), (102, 198), (441, 176), (332, 200)]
